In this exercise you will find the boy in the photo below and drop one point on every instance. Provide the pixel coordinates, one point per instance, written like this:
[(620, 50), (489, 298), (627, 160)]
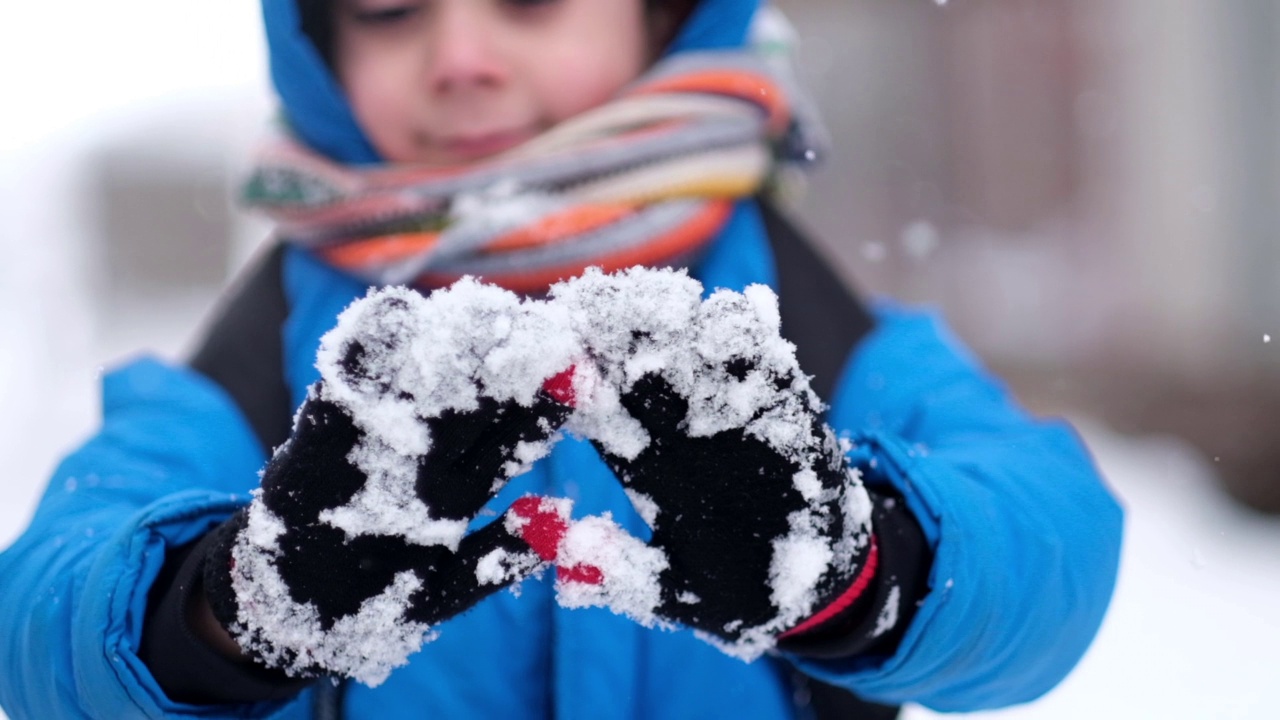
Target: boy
[(999, 542)]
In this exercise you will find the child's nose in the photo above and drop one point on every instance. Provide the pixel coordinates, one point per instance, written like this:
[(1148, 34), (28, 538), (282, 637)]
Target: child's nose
[(465, 51)]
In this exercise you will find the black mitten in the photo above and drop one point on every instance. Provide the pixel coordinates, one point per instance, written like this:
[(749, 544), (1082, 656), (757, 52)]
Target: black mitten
[(760, 526), (356, 546)]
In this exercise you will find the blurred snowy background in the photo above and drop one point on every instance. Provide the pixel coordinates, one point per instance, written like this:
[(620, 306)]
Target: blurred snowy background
[(1089, 188)]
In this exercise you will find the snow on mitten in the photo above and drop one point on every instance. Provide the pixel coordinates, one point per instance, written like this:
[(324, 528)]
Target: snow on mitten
[(760, 528), (356, 545)]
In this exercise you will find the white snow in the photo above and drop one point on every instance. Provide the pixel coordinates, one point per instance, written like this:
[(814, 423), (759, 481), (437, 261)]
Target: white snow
[(630, 570), (920, 238), (800, 559), (388, 505), (645, 507), (500, 566), (367, 645), (422, 356), (889, 613)]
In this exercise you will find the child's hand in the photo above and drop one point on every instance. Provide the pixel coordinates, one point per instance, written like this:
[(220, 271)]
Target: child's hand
[(357, 544), (760, 527)]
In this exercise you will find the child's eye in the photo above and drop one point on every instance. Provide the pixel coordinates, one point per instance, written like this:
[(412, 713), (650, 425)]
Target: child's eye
[(529, 4), (384, 14)]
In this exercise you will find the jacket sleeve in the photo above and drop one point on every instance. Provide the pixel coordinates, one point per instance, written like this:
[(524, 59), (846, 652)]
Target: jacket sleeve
[(1025, 534), (172, 459)]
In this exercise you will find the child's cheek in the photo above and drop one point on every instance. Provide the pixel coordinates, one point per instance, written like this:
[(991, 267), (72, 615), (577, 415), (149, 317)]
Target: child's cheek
[(380, 110), (583, 78)]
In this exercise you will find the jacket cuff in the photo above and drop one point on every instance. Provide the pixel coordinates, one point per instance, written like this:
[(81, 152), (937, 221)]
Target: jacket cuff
[(876, 621), (184, 665)]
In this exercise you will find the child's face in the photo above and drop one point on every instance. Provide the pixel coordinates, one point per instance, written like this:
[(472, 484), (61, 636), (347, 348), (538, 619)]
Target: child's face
[(447, 82)]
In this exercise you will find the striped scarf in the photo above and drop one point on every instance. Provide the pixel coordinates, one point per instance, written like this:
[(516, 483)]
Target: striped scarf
[(646, 179)]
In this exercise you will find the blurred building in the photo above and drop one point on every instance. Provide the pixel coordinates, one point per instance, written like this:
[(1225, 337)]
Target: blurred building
[(1088, 188)]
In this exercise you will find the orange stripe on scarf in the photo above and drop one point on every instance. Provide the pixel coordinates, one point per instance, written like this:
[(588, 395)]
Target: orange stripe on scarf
[(562, 226), (381, 249), (667, 247), (737, 83)]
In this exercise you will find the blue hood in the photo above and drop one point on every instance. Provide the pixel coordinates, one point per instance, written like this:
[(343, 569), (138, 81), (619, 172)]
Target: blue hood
[(317, 110)]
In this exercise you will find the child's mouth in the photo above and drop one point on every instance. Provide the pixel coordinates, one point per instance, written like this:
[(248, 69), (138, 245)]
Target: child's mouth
[(481, 145)]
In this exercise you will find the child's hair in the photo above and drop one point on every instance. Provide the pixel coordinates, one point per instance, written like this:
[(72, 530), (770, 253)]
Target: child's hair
[(665, 17), (317, 24)]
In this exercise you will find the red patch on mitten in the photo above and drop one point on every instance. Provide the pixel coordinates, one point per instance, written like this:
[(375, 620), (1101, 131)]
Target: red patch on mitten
[(560, 387), (585, 574), (544, 528)]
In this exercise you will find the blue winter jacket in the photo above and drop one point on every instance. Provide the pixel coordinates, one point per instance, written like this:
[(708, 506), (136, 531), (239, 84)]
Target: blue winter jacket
[(1025, 537)]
